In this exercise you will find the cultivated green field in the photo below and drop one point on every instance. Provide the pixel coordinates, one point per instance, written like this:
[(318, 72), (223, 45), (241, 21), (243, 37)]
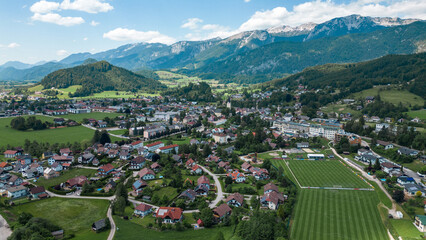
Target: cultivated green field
[(73, 215), (406, 229), (132, 231), (391, 95), (75, 172), (58, 135), (330, 173), (94, 115), (337, 214)]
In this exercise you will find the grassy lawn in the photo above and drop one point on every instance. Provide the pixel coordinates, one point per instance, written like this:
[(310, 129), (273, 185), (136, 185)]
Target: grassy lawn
[(58, 135), (406, 229), (129, 231), (325, 174), (340, 108), (337, 214), (166, 191), (118, 132), (73, 215), (65, 176), (419, 113), (94, 115), (381, 195), (118, 94), (391, 95), (416, 165)]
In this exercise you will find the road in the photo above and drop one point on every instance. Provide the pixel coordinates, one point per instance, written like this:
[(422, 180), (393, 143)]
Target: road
[(407, 171), (107, 129), (219, 193), (5, 231)]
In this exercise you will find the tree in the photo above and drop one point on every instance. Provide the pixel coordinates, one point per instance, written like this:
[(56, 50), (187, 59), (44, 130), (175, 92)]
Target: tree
[(398, 195), (228, 180), (219, 236), (377, 165), (96, 137), (24, 218), (119, 206), (206, 216), (104, 138)]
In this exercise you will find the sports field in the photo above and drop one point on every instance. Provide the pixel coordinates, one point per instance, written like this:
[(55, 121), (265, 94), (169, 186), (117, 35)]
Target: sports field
[(331, 173), (337, 214)]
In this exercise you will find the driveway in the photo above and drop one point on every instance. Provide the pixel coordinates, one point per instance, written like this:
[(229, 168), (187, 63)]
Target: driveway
[(5, 231)]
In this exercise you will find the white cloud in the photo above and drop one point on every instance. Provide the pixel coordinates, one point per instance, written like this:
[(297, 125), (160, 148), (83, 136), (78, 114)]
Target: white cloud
[(246, 1), (94, 24), (13, 45), (61, 52), (320, 11), (90, 6), (124, 34), (57, 19), (86, 38), (44, 7), (192, 23)]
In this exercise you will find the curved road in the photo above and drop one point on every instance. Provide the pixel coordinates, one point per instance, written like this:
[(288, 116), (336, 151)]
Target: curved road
[(219, 194)]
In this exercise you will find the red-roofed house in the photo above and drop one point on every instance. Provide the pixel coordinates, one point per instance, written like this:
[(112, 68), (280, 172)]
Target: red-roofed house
[(190, 163), (237, 176), (196, 169), (142, 210), (168, 149), (76, 182), (235, 200), (105, 170), (137, 144), (11, 153), (222, 211), (203, 180), (169, 214), (146, 174)]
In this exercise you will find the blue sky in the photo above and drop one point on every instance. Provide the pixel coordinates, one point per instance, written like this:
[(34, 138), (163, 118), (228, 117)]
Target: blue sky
[(34, 30)]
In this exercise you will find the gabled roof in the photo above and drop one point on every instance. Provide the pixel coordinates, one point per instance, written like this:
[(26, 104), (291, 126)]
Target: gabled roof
[(236, 196), (274, 197), (143, 207), (203, 180), (154, 144), (36, 190), (138, 160), (270, 186), (107, 168), (222, 210), (145, 171), (168, 147), (189, 193), (170, 212)]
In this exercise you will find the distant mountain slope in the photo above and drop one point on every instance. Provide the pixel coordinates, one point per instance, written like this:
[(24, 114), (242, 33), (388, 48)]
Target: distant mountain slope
[(351, 78), (291, 57), (98, 77), (200, 55)]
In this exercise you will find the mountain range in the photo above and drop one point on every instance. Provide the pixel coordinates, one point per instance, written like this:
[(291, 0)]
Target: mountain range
[(266, 53)]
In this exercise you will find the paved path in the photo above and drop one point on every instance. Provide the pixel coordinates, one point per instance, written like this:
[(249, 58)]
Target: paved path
[(219, 194), (5, 231)]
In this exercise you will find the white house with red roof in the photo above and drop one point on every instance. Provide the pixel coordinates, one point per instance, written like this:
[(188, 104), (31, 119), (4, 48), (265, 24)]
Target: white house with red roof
[(169, 214), (105, 170), (168, 149), (152, 147), (142, 210)]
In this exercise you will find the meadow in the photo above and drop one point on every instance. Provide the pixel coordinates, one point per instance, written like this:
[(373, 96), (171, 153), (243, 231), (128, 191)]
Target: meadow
[(58, 135), (419, 113), (391, 95), (337, 214), (94, 115), (75, 172), (75, 216), (325, 174), (129, 230)]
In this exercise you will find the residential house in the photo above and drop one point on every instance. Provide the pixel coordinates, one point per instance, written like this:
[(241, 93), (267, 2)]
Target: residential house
[(235, 199), (270, 187), (190, 163), (408, 152), (49, 173), (11, 153), (420, 223), (146, 174), (124, 154), (196, 169), (60, 159), (99, 225), (156, 167), (5, 166), (272, 200), (259, 173), (86, 158), (17, 192), (113, 153), (15, 180), (189, 195), (389, 167), (38, 192), (137, 163), (202, 190), (142, 210), (138, 186), (76, 182), (203, 180), (221, 211), (237, 176), (384, 144), (56, 167), (110, 185), (105, 170), (246, 167), (402, 180), (411, 189), (65, 152), (137, 144), (169, 214), (225, 165)]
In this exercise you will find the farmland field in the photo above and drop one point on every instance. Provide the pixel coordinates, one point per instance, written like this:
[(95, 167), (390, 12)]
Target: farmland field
[(419, 113), (391, 95), (337, 214), (325, 174), (73, 215)]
